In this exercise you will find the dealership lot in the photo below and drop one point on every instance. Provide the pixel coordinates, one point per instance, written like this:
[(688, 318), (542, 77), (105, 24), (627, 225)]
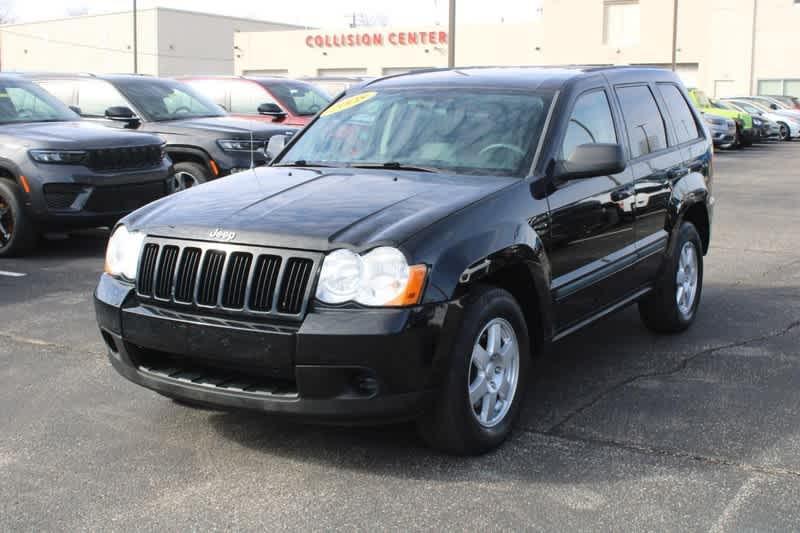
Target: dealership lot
[(621, 427)]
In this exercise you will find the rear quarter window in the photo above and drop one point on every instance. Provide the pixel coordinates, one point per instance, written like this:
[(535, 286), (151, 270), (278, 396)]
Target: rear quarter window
[(682, 117)]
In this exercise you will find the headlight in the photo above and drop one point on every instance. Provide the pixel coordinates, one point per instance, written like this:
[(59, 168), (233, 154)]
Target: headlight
[(122, 254), (240, 145), (381, 277), (66, 157)]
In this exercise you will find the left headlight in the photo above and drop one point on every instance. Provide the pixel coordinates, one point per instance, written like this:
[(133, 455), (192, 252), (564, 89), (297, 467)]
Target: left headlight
[(65, 157), (240, 145), (380, 278), (122, 254)]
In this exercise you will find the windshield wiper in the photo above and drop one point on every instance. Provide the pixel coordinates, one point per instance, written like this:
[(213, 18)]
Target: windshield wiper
[(395, 165), (304, 163)]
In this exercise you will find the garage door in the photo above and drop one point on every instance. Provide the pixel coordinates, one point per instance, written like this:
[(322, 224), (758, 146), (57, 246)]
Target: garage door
[(323, 72)]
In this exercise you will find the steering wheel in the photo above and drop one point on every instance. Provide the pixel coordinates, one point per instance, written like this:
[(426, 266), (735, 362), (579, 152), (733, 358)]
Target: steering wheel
[(516, 149), (182, 109)]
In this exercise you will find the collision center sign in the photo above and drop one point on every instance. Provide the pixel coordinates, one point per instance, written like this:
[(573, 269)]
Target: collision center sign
[(392, 38)]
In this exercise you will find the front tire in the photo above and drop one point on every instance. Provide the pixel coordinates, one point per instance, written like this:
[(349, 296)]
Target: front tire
[(187, 175), (672, 306), (483, 387), (17, 231), (785, 134)]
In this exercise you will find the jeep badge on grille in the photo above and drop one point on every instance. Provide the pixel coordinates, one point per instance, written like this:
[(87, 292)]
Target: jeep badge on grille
[(222, 235)]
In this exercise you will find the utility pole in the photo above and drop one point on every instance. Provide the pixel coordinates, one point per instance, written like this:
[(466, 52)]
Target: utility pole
[(674, 35), (135, 42), (753, 50), (451, 36)]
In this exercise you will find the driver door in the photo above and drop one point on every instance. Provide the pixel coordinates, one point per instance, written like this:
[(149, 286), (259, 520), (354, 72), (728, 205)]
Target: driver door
[(592, 220)]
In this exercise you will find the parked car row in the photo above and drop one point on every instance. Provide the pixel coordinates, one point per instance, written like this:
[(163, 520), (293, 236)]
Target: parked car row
[(741, 121), (83, 150)]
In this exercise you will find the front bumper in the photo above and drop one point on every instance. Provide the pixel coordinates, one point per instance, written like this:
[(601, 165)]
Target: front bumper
[(66, 196), (335, 365)]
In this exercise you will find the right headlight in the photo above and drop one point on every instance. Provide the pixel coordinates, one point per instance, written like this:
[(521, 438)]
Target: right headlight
[(122, 254), (379, 278)]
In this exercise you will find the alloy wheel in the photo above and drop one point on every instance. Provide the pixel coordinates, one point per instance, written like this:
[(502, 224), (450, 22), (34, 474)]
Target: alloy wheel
[(493, 372), (686, 279), (6, 223), (784, 132), (183, 180)]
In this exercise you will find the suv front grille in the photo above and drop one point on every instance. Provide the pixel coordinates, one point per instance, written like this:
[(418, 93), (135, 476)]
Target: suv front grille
[(128, 158), (226, 278)]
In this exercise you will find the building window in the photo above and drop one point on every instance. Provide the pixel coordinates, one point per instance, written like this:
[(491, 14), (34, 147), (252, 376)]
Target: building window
[(621, 23)]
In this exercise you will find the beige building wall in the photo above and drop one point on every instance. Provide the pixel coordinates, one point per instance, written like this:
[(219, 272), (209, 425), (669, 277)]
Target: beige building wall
[(170, 42), (713, 44)]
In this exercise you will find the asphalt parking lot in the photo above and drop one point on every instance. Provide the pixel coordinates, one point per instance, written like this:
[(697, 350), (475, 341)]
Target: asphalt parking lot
[(622, 429)]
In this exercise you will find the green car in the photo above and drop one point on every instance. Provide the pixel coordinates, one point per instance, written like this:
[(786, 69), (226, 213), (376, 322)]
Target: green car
[(745, 133)]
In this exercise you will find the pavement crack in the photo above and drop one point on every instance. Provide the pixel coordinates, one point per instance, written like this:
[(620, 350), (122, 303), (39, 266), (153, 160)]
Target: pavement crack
[(669, 452), (555, 430), (27, 340)]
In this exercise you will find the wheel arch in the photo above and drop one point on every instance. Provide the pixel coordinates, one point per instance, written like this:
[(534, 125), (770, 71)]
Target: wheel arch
[(188, 154)]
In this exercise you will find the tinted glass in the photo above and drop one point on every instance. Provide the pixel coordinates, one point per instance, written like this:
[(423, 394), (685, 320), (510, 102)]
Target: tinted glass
[(247, 96), (682, 117), (590, 122), (642, 119), (22, 101), (454, 130), (159, 99), (95, 96), (302, 99)]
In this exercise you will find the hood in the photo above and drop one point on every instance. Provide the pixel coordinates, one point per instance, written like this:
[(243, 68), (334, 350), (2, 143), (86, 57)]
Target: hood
[(227, 125), (314, 209), (74, 135)]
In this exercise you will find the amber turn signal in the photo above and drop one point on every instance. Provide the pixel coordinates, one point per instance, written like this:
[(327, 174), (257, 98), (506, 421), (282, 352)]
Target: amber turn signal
[(413, 291)]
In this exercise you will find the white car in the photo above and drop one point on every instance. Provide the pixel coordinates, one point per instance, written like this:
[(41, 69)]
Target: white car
[(788, 119)]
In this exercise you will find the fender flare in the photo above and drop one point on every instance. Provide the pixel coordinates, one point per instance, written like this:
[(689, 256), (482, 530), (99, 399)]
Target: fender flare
[(192, 151)]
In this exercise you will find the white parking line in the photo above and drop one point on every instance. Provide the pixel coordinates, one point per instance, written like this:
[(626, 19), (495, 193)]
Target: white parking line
[(12, 274)]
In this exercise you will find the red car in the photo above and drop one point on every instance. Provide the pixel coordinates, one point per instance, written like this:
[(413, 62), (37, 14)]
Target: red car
[(271, 99)]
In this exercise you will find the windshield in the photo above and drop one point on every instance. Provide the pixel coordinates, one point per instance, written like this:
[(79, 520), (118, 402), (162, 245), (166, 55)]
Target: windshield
[(302, 99), (160, 100), (22, 101), (751, 108), (462, 130)]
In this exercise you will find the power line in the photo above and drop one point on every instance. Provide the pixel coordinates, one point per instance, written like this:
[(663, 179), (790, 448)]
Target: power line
[(108, 49)]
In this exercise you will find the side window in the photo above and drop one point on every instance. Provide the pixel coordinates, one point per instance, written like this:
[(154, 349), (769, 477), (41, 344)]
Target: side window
[(642, 119), (590, 122), (61, 89), (212, 89), (246, 97), (95, 96), (682, 116)]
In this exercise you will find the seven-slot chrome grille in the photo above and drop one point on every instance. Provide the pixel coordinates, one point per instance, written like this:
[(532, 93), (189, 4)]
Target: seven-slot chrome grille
[(224, 277)]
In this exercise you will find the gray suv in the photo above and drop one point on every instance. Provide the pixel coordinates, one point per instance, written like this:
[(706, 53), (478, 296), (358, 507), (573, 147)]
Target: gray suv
[(59, 172)]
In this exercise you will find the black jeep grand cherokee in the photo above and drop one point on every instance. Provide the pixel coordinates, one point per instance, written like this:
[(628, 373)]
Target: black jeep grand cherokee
[(58, 172), (414, 247)]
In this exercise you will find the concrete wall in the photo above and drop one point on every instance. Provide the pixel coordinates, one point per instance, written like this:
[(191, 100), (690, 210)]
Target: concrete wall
[(171, 42)]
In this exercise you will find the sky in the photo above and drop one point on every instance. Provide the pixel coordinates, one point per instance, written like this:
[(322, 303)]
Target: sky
[(317, 13)]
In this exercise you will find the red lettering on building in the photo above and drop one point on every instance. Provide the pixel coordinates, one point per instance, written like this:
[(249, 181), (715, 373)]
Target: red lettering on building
[(402, 38)]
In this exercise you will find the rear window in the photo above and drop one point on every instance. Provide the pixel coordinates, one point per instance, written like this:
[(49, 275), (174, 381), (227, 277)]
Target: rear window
[(682, 117), (643, 120)]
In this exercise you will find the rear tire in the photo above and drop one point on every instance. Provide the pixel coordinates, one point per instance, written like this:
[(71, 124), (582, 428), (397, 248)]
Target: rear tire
[(17, 232), (672, 306), (483, 388), (187, 175)]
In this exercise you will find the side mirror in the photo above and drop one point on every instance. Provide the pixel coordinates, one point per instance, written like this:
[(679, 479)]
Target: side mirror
[(76, 109), (590, 160), (122, 114), (275, 146), (774, 107), (271, 110)]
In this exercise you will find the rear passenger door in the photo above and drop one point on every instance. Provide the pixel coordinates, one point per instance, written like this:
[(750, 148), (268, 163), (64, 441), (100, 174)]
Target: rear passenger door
[(591, 237), (654, 161)]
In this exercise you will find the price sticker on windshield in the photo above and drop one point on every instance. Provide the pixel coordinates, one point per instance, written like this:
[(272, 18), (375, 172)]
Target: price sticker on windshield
[(347, 103)]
